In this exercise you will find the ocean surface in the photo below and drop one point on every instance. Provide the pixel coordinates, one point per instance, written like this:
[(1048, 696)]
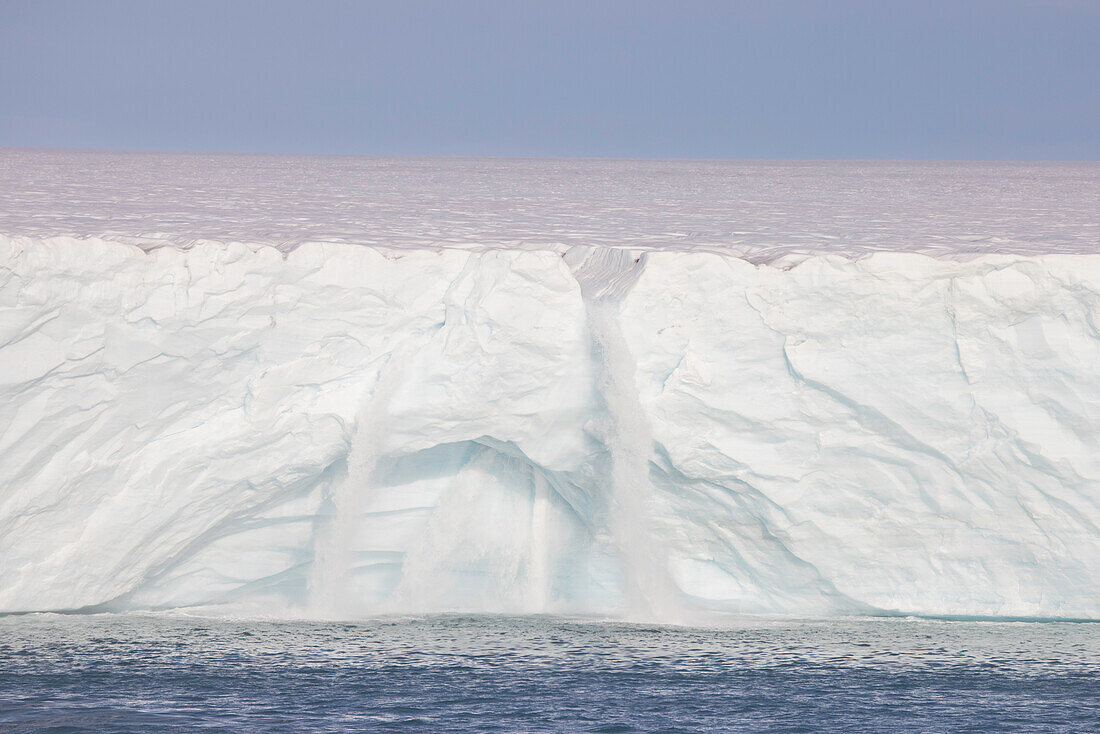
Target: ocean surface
[(159, 672)]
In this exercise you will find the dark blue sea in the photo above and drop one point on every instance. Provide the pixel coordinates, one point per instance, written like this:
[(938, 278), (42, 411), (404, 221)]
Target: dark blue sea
[(162, 673)]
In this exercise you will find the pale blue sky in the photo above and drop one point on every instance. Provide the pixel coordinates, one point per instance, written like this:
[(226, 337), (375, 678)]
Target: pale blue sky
[(973, 79)]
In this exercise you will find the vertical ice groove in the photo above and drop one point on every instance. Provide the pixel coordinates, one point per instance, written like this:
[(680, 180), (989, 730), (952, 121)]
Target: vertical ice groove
[(605, 275)]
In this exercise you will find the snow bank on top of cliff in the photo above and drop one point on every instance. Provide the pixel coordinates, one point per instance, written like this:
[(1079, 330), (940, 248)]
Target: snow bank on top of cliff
[(762, 211)]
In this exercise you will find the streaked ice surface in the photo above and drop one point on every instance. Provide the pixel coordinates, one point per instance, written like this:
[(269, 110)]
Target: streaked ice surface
[(139, 673), (759, 210), (659, 390)]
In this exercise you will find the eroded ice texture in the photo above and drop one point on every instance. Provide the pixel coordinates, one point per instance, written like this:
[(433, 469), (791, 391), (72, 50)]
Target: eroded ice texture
[(334, 429)]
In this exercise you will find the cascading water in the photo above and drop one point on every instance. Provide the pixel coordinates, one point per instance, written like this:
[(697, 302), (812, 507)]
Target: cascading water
[(647, 591), (334, 551), (605, 276), (538, 576)]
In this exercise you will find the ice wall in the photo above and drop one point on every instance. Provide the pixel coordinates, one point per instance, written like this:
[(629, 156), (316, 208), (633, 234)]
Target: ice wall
[(346, 430)]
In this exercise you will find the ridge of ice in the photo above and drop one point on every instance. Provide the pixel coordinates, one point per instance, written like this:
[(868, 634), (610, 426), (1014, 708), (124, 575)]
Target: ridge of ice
[(430, 429)]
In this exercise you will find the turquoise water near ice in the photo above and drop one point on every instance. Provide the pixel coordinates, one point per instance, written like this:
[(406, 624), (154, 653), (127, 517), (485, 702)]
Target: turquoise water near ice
[(167, 672)]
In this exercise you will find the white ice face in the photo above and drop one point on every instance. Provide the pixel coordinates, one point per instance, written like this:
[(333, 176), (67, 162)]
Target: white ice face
[(660, 432)]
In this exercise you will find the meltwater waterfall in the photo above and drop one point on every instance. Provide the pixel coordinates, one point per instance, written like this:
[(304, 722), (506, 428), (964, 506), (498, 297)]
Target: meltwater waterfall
[(605, 275), (646, 589), (538, 571), (334, 547)]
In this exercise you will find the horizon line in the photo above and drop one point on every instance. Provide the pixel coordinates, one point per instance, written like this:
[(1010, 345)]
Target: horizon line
[(532, 156)]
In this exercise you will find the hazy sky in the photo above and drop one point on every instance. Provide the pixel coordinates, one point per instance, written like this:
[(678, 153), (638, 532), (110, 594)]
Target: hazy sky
[(1007, 79)]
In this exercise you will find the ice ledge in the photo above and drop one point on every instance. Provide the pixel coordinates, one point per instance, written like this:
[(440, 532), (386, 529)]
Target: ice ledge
[(895, 432), (82, 248)]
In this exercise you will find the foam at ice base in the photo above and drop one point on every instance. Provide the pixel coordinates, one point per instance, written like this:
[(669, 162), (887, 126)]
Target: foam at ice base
[(895, 433)]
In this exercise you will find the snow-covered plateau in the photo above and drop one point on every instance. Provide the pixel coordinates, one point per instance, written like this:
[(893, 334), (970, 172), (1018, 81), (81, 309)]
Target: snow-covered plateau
[(643, 423)]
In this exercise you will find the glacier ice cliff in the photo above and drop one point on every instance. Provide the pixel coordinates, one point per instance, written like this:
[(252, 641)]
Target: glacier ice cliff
[(342, 430)]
